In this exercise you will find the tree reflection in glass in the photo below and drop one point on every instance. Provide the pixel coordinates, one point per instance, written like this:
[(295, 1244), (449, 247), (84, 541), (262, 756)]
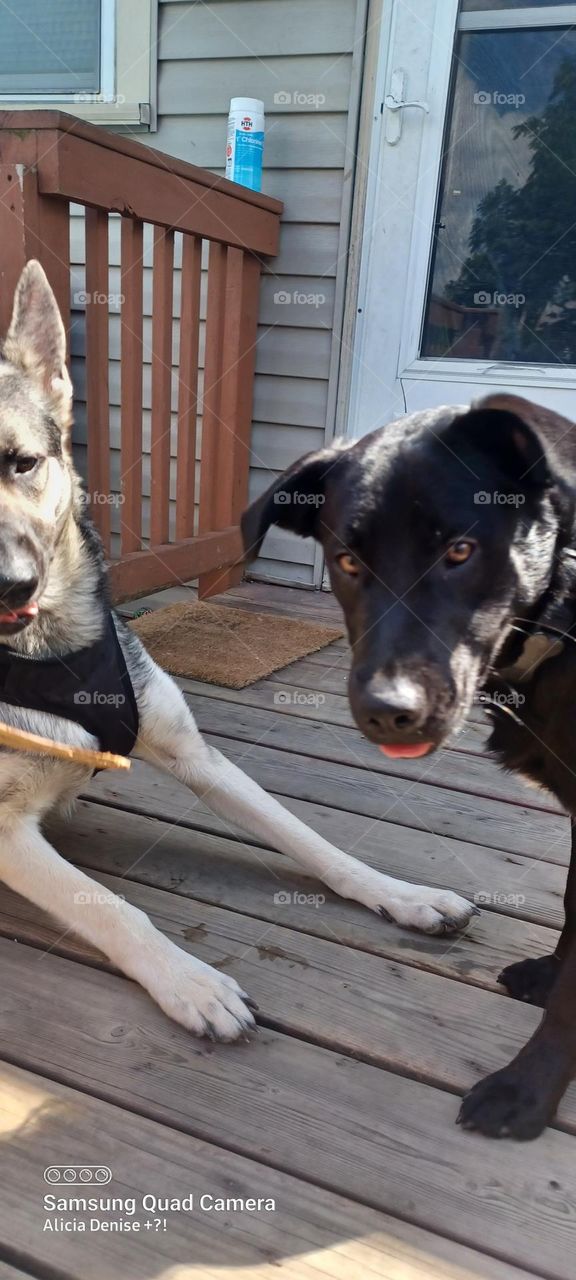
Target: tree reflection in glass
[(503, 278)]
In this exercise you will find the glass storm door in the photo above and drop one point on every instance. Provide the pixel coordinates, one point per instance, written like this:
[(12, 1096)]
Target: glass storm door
[(468, 270)]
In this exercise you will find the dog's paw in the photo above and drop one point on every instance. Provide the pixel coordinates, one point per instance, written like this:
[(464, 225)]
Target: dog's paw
[(411, 905), (206, 1002), (531, 980), (436, 911), (506, 1105)]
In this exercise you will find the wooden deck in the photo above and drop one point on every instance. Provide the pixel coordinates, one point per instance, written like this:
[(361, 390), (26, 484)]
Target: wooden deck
[(342, 1109)]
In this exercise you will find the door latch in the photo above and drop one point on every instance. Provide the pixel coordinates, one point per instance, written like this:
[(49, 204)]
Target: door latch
[(395, 104)]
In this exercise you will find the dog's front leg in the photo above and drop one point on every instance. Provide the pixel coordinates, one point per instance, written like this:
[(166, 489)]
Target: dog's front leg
[(520, 1100), (193, 993), (170, 739), (533, 980)]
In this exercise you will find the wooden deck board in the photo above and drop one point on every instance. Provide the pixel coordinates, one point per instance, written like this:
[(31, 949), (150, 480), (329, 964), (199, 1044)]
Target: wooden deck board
[(410, 853), (344, 1105), (370, 796), (476, 818), (333, 709), (222, 872), (376, 1010), (322, 1236), (332, 677), (474, 774), (358, 1130)]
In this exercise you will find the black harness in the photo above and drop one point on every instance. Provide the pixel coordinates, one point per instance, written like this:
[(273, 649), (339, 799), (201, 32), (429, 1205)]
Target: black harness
[(92, 687)]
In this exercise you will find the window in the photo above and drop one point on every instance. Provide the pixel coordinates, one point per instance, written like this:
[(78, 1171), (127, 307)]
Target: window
[(94, 58), (503, 278)]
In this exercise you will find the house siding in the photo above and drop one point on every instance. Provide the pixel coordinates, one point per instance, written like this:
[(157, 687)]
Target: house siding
[(208, 53)]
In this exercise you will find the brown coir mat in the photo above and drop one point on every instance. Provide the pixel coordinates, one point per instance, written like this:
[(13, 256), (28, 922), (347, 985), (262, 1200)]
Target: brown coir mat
[(231, 647)]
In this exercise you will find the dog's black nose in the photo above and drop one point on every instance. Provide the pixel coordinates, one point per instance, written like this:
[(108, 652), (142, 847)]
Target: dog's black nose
[(392, 710), (17, 589)]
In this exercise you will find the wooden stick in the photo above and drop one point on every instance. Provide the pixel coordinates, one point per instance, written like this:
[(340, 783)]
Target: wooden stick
[(18, 740)]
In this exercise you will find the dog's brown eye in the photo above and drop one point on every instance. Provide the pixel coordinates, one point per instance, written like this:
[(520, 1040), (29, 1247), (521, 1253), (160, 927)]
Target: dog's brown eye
[(22, 465), (348, 564), (459, 552)]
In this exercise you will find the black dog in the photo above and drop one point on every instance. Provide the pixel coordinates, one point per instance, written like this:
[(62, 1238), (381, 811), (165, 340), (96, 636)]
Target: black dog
[(449, 537)]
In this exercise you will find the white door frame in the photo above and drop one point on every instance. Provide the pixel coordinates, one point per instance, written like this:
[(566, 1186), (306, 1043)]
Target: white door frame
[(427, 81)]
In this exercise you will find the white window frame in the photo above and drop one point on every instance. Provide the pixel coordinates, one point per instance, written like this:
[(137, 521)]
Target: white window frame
[(128, 50)]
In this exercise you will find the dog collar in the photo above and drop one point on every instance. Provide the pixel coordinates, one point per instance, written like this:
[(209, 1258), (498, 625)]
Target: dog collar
[(537, 649), (546, 637)]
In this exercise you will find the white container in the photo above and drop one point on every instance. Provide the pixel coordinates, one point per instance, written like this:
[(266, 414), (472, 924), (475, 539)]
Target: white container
[(245, 145)]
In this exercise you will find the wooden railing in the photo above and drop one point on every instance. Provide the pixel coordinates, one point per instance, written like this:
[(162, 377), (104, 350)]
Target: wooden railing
[(49, 159)]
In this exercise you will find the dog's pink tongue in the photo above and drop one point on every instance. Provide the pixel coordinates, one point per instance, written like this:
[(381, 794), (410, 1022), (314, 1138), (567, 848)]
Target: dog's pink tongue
[(397, 751), (27, 611)]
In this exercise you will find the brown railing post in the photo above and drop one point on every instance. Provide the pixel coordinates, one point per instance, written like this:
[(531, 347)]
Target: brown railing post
[(12, 256), (97, 400), (188, 385), (162, 285), (32, 225), (229, 397), (131, 385), (212, 387)]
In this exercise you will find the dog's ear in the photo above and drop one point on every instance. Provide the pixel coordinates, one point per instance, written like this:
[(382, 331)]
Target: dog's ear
[(499, 428), (36, 341), (293, 502)]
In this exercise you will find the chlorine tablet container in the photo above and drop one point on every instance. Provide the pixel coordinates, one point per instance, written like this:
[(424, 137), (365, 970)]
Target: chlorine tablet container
[(245, 145)]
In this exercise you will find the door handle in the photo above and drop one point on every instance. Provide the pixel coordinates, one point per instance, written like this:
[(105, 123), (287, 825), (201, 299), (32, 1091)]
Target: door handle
[(395, 103)]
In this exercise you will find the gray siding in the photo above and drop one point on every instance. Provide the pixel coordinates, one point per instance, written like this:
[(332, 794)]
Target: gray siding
[(209, 53)]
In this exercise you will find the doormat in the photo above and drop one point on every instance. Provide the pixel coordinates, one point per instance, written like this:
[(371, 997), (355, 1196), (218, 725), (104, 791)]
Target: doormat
[(230, 647)]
